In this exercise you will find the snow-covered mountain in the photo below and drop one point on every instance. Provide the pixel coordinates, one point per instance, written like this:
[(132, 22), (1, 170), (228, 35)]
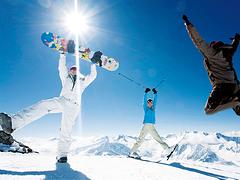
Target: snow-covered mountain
[(200, 155), (195, 146)]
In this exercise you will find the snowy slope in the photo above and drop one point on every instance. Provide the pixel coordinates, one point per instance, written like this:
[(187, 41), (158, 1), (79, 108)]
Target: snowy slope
[(196, 146), (199, 156)]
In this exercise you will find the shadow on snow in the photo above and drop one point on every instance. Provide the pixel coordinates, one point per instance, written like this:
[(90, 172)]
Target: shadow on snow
[(63, 171), (178, 165)]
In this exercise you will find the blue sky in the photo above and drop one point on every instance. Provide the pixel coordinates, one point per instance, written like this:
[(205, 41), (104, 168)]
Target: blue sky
[(149, 40)]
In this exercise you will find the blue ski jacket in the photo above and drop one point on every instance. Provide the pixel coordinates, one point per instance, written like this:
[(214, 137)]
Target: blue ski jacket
[(149, 113)]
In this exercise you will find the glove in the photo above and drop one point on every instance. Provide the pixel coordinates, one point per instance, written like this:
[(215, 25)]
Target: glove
[(147, 90), (71, 46), (154, 91), (185, 18), (237, 36)]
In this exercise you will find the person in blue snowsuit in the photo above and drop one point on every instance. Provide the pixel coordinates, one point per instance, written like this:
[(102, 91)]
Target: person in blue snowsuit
[(149, 121)]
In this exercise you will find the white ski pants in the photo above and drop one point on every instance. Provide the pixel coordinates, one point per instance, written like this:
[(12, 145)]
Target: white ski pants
[(148, 129), (68, 108)]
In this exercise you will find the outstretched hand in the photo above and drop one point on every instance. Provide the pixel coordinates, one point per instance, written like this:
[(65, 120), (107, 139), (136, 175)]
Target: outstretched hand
[(237, 36), (154, 91), (185, 18), (147, 90)]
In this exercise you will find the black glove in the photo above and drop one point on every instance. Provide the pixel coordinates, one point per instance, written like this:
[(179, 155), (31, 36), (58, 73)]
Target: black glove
[(97, 58), (147, 90), (185, 18), (71, 47), (154, 91), (237, 36)]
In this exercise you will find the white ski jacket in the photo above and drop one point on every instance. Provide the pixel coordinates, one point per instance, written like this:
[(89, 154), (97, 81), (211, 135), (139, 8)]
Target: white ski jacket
[(69, 89)]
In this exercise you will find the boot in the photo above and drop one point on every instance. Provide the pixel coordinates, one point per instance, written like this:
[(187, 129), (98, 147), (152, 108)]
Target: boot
[(222, 97), (6, 123), (62, 159), (134, 155)]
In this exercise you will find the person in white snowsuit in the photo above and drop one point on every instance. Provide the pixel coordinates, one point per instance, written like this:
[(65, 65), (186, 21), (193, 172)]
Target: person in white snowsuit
[(67, 104)]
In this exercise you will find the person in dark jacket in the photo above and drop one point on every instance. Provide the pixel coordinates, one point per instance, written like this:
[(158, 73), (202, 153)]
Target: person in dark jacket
[(219, 64)]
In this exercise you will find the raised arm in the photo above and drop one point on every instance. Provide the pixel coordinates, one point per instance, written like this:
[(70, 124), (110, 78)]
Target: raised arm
[(91, 77), (154, 98), (62, 68), (145, 98), (197, 39)]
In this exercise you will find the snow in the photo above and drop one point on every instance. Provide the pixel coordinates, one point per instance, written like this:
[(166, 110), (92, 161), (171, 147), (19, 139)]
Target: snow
[(200, 155)]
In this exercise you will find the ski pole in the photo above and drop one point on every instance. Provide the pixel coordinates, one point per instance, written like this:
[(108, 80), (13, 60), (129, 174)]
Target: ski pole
[(132, 80), (162, 81)]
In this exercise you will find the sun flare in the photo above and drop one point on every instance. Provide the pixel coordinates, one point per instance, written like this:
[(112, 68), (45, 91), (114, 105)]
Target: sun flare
[(77, 23)]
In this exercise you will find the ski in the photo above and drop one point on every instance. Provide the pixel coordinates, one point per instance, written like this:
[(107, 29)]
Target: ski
[(168, 156)]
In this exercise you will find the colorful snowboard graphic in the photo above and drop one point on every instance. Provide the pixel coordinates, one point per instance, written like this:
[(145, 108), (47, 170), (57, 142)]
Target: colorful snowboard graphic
[(62, 45)]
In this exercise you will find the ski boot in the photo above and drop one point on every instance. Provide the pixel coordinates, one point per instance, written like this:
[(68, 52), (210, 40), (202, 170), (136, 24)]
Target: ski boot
[(62, 159), (236, 109), (134, 155), (96, 59), (6, 123), (6, 138)]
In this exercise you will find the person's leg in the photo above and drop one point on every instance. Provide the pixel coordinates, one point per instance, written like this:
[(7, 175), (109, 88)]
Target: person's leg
[(140, 139), (222, 96), (236, 109), (156, 136), (36, 111), (69, 117)]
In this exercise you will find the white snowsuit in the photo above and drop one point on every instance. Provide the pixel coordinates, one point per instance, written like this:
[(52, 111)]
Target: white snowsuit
[(67, 104)]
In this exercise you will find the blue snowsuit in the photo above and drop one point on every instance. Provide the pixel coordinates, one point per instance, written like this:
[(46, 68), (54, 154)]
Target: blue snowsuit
[(149, 116)]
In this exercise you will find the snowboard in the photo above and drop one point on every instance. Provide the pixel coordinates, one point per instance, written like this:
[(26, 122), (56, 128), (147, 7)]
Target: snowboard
[(63, 45), (16, 148), (8, 144)]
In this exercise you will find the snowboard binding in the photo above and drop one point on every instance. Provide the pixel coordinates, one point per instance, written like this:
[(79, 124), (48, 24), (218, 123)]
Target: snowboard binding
[(96, 59)]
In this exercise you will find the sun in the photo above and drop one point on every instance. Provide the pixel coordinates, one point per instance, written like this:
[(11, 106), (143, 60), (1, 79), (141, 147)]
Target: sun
[(77, 23)]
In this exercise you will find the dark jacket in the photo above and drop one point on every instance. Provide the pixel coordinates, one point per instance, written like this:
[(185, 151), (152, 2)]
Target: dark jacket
[(218, 63)]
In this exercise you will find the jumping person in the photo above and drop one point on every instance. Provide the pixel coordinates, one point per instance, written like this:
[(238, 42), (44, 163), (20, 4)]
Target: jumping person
[(149, 106), (219, 65), (67, 104)]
